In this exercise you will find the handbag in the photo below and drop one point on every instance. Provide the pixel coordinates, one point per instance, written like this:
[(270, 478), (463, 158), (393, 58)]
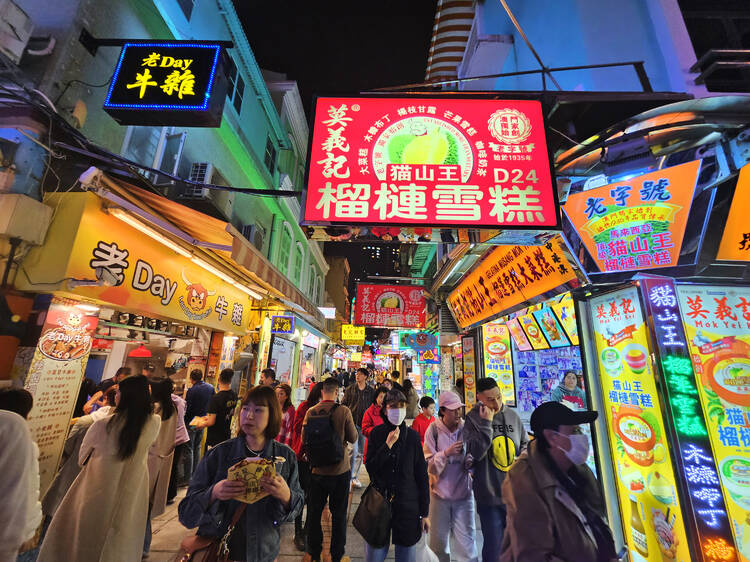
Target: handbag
[(373, 517), (197, 548)]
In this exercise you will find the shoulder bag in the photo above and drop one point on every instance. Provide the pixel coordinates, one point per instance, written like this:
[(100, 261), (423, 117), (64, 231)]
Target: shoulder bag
[(373, 517), (196, 548)]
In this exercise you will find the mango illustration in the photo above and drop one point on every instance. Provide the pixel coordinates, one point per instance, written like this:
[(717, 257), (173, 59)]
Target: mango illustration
[(431, 148)]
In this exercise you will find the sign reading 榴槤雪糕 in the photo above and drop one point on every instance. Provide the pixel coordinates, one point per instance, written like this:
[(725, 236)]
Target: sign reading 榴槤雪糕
[(168, 83), (635, 224), (282, 324), (390, 306), (430, 161)]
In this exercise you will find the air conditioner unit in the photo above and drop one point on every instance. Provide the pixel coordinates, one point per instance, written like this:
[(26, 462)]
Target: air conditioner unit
[(15, 30), (217, 203), (201, 172)]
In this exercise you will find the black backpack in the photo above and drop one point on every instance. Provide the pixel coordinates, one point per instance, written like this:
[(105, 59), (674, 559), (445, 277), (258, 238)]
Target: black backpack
[(322, 444)]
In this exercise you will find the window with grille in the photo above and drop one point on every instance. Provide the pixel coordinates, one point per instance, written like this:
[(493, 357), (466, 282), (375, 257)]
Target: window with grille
[(285, 248), (236, 90), (270, 157), (299, 257)]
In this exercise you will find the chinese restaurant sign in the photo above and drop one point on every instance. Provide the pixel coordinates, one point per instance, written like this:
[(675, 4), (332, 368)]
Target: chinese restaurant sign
[(695, 459), (351, 333), (509, 276), (430, 161), (735, 241), (167, 84), (717, 326), (390, 306), (282, 324), (636, 224), (469, 363), (54, 379), (498, 361), (653, 520)]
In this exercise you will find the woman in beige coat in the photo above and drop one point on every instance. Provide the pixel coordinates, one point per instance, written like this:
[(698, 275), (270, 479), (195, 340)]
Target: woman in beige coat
[(103, 515)]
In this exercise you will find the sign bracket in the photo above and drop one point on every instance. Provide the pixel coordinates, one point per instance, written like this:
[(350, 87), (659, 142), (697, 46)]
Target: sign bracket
[(92, 44)]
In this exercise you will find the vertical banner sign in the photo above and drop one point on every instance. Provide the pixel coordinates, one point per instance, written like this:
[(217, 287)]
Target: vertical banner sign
[(717, 326), (469, 370), (54, 380), (695, 458), (390, 306), (650, 506), (498, 362)]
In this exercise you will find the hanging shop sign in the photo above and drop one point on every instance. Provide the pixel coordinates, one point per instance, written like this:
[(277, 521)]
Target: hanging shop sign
[(419, 341), (565, 312), (390, 306), (735, 241), (168, 83), (518, 335), (431, 356), (717, 328), (469, 363), (54, 379), (282, 324), (533, 331), (430, 162), (510, 276), (366, 357), (134, 271), (498, 361), (636, 224), (350, 333), (551, 327), (653, 518), (339, 354), (311, 340), (356, 356), (698, 465)]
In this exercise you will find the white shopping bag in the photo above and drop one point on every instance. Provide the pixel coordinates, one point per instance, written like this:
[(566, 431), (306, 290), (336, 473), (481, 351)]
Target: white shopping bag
[(424, 553)]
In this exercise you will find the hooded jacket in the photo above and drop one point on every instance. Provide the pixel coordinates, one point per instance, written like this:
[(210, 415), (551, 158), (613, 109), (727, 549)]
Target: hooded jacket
[(449, 479), (481, 437)]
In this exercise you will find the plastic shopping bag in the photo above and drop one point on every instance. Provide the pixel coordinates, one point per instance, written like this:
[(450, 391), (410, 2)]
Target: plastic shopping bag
[(424, 553)]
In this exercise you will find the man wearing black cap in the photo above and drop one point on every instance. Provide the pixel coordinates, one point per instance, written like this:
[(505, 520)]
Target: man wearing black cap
[(555, 510), (494, 437)]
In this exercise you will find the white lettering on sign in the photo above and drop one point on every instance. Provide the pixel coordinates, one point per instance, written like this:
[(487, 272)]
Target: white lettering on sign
[(158, 285)]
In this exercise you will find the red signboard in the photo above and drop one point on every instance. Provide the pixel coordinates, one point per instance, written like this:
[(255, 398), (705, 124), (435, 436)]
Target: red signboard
[(430, 161), (390, 306)]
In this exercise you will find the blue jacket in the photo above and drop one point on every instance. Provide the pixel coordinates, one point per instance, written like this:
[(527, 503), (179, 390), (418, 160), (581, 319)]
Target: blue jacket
[(261, 521), (198, 396)]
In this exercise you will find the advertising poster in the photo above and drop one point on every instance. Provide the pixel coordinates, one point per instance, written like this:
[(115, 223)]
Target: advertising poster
[(735, 240), (635, 224), (518, 335), (390, 306), (469, 371), (566, 315), (431, 356), (429, 162), (652, 515), (533, 331), (282, 358), (54, 380), (498, 362), (717, 326), (552, 329)]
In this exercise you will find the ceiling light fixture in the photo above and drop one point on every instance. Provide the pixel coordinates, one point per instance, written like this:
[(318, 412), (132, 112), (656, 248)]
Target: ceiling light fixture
[(129, 219)]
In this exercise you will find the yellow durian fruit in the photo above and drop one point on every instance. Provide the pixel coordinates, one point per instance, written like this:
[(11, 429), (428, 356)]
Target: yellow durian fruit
[(431, 148)]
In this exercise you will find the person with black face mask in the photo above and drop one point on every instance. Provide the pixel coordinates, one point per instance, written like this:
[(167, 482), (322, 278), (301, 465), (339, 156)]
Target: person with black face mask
[(554, 508)]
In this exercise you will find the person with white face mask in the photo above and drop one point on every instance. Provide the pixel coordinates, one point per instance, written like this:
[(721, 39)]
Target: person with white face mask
[(397, 468), (554, 508)]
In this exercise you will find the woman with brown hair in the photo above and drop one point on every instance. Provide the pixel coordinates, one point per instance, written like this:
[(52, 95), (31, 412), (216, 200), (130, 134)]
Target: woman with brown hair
[(284, 396), (210, 503)]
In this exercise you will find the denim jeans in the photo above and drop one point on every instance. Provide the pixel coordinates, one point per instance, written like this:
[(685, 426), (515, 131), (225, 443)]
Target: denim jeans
[(194, 448), (452, 529), (335, 490), (403, 553), (492, 518), (358, 450)]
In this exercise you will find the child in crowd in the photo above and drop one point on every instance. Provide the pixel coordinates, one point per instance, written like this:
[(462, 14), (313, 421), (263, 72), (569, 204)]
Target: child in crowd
[(425, 418)]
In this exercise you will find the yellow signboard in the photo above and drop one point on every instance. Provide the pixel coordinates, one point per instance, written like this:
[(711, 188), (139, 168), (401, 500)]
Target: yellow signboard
[(351, 333), (508, 277), (565, 312), (356, 356), (650, 508), (735, 242), (498, 362), (469, 370)]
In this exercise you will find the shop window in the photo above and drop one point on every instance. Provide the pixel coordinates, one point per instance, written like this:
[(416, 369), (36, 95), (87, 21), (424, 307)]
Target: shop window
[(270, 157), (236, 90), (285, 248), (299, 257)]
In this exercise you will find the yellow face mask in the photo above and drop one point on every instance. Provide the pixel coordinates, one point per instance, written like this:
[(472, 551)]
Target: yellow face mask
[(503, 452)]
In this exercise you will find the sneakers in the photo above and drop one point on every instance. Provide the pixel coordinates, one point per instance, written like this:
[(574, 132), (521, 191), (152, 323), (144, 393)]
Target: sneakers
[(357, 484)]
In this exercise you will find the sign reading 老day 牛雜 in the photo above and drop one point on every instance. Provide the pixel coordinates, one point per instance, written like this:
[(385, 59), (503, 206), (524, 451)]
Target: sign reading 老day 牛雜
[(430, 161), (282, 324), (390, 306), (636, 224)]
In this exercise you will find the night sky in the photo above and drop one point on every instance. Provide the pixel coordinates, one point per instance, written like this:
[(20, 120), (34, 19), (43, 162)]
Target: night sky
[(339, 47)]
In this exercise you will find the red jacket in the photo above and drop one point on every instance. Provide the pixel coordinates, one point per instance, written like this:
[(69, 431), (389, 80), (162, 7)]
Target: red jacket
[(296, 442), (370, 421), (420, 425)]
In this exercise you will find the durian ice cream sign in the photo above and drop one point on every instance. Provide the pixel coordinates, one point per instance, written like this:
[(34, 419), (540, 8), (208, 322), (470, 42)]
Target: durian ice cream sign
[(430, 161)]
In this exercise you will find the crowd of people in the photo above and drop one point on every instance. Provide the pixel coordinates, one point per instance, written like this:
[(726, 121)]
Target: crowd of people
[(135, 441)]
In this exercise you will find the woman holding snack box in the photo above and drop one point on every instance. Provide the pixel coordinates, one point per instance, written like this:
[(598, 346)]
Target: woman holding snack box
[(251, 479)]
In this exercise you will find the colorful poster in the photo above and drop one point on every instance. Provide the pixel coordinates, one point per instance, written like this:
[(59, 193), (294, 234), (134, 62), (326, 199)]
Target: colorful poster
[(652, 517), (498, 362), (566, 315), (431, 356), (552, 329), (430, 162), (735, 240), (469, 371), (518, 335), (511, 276), (717, 326), (533, 332), (635, 224), (54, 380), (390, 306)]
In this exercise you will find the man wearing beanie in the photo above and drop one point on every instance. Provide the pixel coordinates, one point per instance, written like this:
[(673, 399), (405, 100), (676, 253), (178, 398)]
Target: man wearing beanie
[(494, 436)]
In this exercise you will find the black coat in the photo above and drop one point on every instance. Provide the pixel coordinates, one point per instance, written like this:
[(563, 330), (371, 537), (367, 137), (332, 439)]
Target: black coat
[(401, 470)]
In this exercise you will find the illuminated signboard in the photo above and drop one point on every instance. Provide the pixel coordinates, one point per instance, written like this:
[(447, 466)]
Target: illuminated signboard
[(518, 335), (646, 480), (510, 276), (695, 459), (533, 332), (350, 333), (469, 362), (565, 312), (735, 241), (717, 326), (418, 341), (431, 356), (356, 356), (390, 306), (437, 161), (635, 224), (551, 327), (168, 83), (498, 360), (282, 324)]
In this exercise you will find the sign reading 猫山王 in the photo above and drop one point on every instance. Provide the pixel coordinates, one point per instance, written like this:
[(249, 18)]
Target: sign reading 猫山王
[(430, 161), (168, 83)]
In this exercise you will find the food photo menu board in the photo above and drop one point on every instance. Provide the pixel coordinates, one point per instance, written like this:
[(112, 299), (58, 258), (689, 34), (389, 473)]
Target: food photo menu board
[(645, 475), (498, 362), (533, 331)]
